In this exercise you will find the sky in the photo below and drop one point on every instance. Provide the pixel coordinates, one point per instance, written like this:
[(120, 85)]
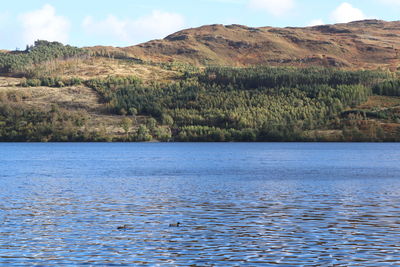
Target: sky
[(128, 22)]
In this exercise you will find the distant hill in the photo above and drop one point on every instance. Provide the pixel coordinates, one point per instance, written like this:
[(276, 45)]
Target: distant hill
[(361, 44), (188, 87)]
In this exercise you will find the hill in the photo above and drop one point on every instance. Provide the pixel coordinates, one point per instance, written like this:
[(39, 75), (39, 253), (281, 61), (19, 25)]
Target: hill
[(213, 83), (361, 44)]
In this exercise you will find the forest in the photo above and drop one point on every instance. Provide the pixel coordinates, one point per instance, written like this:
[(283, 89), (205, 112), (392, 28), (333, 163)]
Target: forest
[(245, 104), (23, 63), (21, 124), (220, 104)]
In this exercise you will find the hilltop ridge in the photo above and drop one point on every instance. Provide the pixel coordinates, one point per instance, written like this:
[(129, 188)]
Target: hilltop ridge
[(365, 44)]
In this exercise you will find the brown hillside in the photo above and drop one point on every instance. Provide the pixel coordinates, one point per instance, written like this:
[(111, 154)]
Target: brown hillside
[(361, 44)]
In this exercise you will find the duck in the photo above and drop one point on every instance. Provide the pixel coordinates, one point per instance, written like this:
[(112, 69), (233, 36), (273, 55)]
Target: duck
[(124, 227), (174, 224)]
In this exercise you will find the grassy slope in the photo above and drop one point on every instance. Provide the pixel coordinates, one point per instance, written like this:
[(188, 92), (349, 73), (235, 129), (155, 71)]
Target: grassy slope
[(81, 98)]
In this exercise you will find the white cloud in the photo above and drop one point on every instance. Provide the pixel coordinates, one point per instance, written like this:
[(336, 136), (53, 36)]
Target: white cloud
[(44, 24), (156, 25), (347, 13), (316, 22), (274, 7), (391, 2)]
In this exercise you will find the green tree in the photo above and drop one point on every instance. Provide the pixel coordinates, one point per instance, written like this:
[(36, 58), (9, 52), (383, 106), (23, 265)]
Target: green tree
[(143, 134), (126, 125)]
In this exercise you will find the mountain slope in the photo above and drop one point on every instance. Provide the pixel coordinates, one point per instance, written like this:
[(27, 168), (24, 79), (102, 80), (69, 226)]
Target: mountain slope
[(55, 92), (361, 44)]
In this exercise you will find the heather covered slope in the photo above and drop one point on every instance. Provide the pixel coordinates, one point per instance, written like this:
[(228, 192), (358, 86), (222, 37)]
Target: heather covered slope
[(362, 44)]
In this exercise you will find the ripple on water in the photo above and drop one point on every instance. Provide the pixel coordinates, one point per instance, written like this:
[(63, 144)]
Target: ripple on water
[(238, 204)]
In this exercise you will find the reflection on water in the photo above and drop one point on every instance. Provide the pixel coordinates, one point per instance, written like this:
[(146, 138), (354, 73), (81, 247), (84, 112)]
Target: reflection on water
[(254, 204)]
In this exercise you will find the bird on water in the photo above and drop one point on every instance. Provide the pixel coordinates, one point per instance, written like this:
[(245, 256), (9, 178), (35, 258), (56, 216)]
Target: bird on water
[(175, 224), (127, 227), (123, 227)]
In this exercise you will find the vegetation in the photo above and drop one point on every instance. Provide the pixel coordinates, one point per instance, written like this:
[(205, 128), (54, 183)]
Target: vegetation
[(18, 123), (51, 82), (23, 63), (388, 88), (218, 104), (247, 104)]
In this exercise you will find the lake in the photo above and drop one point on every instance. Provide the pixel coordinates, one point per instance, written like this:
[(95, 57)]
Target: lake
[(290, 204)]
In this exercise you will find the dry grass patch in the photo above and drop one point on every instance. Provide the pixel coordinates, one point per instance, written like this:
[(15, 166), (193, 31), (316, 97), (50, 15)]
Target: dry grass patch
[(7, 81), (378, 102), (71, 98), (98, 67)]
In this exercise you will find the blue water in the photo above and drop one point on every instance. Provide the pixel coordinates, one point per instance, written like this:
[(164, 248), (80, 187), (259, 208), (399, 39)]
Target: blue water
[(238, 204)]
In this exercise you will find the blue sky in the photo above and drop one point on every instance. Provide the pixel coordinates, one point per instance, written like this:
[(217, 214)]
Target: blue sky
[(128, 22)]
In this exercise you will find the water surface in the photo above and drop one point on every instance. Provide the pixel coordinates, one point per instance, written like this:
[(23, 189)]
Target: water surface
[(239, 204)]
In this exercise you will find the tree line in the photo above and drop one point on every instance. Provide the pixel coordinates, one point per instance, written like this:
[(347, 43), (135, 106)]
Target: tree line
[(20, 62), (243, 104)]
